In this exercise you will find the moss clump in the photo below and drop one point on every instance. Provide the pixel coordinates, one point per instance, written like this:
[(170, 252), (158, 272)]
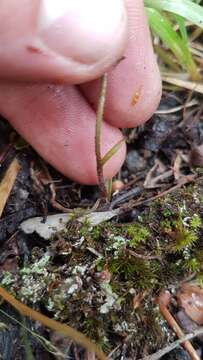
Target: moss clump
[(192, 265), (195, 222), (137, 234), (90, 277), (139, 273), (181, 228)]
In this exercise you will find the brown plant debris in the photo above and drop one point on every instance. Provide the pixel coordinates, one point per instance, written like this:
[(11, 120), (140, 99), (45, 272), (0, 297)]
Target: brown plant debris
[(7, 183)]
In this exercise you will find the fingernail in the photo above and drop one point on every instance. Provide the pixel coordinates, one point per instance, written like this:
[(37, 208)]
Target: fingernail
[(83, 30)]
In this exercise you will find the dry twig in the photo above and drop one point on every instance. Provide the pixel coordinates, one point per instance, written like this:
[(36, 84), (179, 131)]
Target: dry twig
[(143, 257), (7, 183), (163, 302), (183, 181), (174, 345)]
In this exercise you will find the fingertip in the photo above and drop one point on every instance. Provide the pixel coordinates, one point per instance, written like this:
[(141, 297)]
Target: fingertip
[(134, 85), (61, 41), (60, 125)]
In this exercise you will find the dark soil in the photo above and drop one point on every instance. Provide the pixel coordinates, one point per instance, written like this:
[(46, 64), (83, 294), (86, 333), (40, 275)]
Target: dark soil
[(154, 208)]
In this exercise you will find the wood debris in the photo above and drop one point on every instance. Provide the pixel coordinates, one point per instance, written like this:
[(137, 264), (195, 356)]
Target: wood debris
[(7, 183)]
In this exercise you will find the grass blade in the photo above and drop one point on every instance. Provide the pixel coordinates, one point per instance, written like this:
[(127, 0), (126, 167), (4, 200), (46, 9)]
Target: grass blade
[(185, 84), (167, 58), (112, 152), (185, 8), (163, 28), (181, 23)]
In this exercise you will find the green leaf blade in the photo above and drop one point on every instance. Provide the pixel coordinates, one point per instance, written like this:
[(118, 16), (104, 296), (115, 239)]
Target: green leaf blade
[(163, 28), (185, 8)]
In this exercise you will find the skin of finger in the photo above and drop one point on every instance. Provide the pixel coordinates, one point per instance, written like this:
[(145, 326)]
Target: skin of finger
[(60, 125), (29, 52), (134, 85)]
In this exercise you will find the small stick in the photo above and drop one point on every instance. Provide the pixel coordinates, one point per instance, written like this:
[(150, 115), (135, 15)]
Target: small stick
[(135, 192), (186, 180), (157, 355), (8, 182), (163, 302), (99, 118), (143, 257)]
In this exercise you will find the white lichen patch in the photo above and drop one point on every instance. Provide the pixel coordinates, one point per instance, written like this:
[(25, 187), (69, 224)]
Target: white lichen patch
[(110, 299), (8, 279), (38, 267), (116, 244), (32, 290), (79, 269)]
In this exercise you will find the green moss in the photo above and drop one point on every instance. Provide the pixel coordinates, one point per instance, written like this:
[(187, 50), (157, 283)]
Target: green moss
[(96, 232), (192, 265), (199, 280), (181, 229), (183, 238), (195, 222), (167, 212), (84, 229), (137, 233), (138, 272)]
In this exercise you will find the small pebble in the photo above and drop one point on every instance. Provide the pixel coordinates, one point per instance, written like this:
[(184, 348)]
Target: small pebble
[(134, 162), (23, 194), (117, 185)]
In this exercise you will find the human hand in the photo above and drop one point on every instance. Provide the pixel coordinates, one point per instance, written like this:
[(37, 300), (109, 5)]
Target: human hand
[(73, 42)]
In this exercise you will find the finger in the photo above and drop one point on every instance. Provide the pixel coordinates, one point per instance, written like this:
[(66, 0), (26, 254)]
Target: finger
[(60, 125), (134, 86), (63, 41)]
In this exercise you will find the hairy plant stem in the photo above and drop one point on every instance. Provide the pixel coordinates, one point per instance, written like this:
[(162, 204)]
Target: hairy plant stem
[(99, 119)]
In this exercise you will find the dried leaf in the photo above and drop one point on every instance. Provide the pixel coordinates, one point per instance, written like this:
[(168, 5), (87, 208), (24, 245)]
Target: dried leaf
[(190, 298), (57, 223), (7, 183), (156, 175)]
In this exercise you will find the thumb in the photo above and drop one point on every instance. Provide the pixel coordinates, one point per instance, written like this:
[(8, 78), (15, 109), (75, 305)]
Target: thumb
[(60, 40)]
